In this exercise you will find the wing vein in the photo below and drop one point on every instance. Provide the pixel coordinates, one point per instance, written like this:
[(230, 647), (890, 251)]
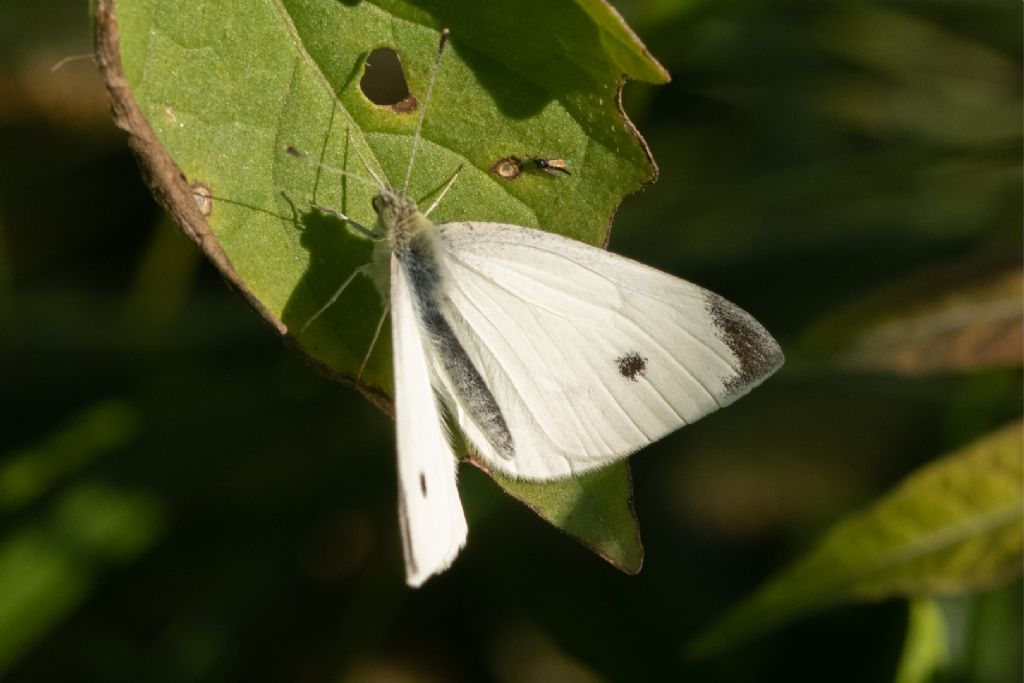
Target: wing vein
[(636, 326), (504, 370), (618, 285), (558, 347)]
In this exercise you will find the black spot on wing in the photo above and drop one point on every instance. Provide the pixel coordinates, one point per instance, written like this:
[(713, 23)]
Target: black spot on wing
[(423, 484), (755, 350), (632, 366)]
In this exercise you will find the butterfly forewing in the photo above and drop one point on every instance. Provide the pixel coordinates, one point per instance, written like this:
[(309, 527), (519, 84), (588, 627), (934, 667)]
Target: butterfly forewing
[(590, 355)]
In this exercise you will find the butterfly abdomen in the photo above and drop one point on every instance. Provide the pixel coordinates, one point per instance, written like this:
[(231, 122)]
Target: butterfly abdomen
[(422, 260)]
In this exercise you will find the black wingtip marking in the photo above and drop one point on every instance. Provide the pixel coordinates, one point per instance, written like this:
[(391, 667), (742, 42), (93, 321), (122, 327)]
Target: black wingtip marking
[(758, 354), (632, 366)]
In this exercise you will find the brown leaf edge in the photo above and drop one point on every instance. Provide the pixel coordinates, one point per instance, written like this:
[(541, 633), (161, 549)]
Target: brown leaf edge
[(643, 146), (666, 77), (172, 190)]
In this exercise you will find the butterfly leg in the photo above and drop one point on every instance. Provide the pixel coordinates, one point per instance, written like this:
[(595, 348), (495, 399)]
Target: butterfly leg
[(444, 191), (362, 270), (373, 342), (358, 227)]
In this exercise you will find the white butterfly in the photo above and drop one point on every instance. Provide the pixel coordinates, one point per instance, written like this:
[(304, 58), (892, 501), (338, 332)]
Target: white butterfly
[(552, 356)]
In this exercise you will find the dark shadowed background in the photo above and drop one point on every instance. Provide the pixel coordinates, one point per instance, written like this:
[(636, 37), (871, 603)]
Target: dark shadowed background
[(183, 499)]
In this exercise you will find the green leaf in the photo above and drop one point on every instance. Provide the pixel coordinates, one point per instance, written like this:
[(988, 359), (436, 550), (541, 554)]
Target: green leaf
[(211, 93), (962, 317), (596, 508), (952, 526)]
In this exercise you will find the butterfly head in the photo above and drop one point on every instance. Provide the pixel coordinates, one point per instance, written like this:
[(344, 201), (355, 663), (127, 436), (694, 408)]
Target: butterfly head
[(393, 209)]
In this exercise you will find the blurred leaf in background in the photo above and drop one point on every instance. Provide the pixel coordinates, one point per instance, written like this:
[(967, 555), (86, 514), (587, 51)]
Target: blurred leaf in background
[(958, 318), (223, 512)]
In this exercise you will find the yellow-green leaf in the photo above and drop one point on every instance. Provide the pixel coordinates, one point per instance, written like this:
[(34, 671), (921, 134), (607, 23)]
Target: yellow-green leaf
[(596, 508), (955, 525)]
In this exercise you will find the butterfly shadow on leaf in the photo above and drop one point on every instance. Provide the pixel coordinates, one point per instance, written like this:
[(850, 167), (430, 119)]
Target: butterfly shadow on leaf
[(338, 338)]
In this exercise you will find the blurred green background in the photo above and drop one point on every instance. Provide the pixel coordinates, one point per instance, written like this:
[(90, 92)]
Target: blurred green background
[(183, 499)]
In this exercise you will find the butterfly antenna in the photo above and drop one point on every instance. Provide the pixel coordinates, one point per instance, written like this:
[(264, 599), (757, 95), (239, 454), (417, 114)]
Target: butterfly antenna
[(423, 109), (369, 169), (327, 167)]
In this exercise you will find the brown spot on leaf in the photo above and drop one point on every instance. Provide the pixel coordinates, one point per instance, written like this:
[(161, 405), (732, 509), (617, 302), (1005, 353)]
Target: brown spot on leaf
[(203, 197), (508, 168), (406, 106)]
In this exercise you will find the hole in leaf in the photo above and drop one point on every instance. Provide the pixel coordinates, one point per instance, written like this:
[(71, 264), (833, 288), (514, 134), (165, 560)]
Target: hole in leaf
[(383, 81)]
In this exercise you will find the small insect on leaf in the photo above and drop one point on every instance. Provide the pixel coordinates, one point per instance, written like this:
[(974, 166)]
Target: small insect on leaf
[(511, 167), (552, 166)]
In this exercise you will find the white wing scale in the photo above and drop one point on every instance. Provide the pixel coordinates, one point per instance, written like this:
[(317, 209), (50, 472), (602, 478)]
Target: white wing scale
[(430, 512), (589, 355)]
